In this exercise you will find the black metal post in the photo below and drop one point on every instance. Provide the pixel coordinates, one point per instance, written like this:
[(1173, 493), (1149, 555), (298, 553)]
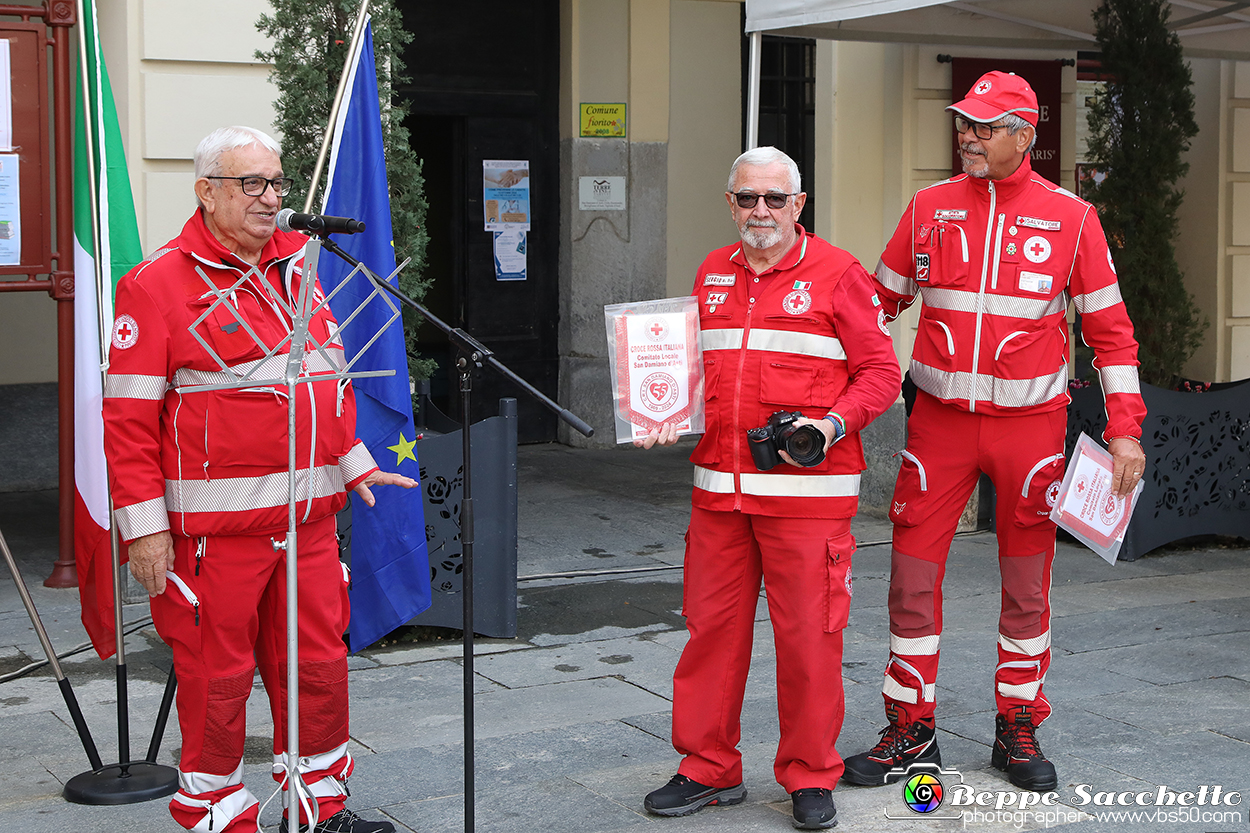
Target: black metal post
[(466, 364), (162, 716)]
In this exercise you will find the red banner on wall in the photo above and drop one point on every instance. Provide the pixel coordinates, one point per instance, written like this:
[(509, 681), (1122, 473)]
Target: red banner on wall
[(1045, 79)]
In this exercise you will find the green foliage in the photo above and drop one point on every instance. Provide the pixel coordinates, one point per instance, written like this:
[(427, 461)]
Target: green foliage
[(310, 43), (1140, 127)]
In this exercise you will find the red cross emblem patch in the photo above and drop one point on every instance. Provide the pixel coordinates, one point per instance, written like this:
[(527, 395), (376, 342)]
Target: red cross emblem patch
[(1037, 249), (125, 332), (797, 302)]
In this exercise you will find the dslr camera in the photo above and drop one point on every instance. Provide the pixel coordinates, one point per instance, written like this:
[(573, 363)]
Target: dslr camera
[(804, 443)]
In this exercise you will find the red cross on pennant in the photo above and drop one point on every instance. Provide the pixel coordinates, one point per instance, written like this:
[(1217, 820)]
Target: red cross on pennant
[(656, 329), (124, 331)]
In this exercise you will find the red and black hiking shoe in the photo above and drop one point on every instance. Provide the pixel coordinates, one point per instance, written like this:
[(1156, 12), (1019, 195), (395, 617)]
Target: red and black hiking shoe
[(900, 747), (1017, 752)]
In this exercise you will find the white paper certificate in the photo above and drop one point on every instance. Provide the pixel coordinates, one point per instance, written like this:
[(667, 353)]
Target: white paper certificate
[(655, 370), (1090, 505)]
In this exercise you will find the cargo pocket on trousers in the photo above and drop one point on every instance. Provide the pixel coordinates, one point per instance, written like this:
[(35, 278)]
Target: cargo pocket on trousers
[(838, 573), (910, 490), (176, 614), (1039, 492)]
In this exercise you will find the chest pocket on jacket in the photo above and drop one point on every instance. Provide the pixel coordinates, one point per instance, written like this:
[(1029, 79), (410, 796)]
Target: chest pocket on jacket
[(222, 330), (790, 382), (941, 254)]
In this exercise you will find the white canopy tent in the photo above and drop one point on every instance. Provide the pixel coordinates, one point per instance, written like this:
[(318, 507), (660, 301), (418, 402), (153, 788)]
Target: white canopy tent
[(1207, 28)]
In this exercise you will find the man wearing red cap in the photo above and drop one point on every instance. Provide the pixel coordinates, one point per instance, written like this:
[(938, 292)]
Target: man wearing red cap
[(996, 254)]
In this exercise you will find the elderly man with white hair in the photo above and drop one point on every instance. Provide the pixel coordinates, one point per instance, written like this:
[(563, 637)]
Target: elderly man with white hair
[(200, 485), (789, 325)]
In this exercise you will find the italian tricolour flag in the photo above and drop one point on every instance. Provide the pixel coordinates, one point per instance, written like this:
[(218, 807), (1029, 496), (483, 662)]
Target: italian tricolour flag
[(106, 247)]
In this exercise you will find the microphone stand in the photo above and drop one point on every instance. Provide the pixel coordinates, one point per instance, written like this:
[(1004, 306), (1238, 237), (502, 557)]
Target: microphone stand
[(470, 354)]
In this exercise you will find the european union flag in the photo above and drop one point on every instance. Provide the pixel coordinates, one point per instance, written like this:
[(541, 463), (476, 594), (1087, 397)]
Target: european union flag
[(390, 570)]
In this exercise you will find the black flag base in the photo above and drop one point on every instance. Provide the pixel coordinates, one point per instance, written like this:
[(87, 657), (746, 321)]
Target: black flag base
[(122, 784)]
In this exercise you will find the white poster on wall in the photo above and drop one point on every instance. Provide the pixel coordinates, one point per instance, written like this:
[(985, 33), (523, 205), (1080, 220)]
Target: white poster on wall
[(10, 212)]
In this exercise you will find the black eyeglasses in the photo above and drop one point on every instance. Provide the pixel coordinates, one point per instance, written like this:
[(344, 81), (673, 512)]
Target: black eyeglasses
[(746, 199), (254, 186), (979, 129)]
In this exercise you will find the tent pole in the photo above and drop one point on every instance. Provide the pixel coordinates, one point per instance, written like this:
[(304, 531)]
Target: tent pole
[(753, 92)]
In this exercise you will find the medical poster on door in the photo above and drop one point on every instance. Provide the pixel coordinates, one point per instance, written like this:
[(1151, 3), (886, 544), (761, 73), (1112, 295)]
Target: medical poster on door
[(506, 194)]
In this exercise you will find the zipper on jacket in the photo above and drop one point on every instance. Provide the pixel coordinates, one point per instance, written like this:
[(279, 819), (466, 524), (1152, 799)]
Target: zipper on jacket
[(742, 360), (998, 247), (985, 266), (170, 575), (199, 554)]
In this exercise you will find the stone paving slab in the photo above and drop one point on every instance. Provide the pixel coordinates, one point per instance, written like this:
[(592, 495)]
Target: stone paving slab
[(1148, 591), (1186, 659), (1220, 705), (642, 662)]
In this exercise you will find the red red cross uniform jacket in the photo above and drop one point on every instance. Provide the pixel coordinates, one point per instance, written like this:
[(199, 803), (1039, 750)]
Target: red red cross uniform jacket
[(804, 335), (215, 462), (808, 335), (212, 468), (997, 263)]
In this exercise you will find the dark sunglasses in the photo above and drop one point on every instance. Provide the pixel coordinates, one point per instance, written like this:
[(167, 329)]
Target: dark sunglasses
[(746, 199)]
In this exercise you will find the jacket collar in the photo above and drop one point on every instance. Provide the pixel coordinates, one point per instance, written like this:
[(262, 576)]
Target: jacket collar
[(1007, 187), (792, 258), (198, 242)]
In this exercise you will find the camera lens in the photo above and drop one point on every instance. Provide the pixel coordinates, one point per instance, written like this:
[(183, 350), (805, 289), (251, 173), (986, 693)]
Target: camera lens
[(806, 445)]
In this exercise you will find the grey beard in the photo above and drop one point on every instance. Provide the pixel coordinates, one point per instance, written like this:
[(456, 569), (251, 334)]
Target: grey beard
[(761, 237), (981, 174)]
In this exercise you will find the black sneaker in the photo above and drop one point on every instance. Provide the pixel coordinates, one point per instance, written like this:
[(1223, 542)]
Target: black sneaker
[(344, 821), (681, 797), (813, 808), (900, 746), (1017, 752)]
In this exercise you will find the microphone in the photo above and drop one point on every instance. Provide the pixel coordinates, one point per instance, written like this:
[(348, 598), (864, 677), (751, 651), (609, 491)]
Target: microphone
[(288, 220)]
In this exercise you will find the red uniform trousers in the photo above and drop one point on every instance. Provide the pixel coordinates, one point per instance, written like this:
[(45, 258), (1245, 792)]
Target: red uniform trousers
[(947, 449), (224, 615), (806, 567)]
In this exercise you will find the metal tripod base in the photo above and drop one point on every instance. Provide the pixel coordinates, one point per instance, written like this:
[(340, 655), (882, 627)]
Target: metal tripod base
[(122, 784)]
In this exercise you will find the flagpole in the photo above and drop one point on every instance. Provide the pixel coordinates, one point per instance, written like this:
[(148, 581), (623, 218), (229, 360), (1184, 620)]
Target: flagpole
[(125, 782), (357, 33)]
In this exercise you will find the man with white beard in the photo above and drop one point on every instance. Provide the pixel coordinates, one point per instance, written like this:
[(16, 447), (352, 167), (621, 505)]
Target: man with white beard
[(789, 325)]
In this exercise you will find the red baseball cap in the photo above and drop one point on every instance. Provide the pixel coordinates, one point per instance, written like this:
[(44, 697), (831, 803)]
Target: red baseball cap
[(997, 94)]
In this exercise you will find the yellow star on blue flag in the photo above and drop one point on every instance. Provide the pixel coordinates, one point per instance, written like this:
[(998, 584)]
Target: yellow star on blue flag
[(403, 451)]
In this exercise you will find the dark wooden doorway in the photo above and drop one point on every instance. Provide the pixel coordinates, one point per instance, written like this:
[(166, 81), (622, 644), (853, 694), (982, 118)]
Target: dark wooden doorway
[(485, 85)]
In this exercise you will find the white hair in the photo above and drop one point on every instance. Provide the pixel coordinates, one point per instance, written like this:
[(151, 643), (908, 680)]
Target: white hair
[(765, 156), (211, 148), (1015, 124)]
